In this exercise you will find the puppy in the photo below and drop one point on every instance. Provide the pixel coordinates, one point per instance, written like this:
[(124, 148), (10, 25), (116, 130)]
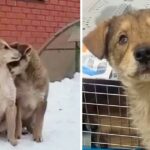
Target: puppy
[(32, 82), (7, 92), (125, 42)]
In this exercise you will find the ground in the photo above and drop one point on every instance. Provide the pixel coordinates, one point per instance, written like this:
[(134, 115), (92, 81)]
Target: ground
[(61, 127)]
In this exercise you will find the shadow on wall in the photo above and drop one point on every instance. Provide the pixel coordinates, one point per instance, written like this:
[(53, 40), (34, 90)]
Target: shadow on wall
[(61, 53)]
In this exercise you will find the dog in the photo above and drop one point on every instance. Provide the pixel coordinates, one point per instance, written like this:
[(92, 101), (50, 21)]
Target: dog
[(31, 80), (125, 42), (7, 92)]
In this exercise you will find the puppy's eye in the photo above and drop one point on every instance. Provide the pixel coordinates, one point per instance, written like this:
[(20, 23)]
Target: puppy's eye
[(123, 39), (14, 64)]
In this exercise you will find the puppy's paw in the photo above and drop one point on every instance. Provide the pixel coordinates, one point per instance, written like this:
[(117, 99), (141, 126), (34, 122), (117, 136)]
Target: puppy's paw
[(37, 139), (18, 135), (13, 142)]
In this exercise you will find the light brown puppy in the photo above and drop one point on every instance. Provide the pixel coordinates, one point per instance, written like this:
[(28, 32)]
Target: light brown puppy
[(32, 81), (125, 42), (7, 91)]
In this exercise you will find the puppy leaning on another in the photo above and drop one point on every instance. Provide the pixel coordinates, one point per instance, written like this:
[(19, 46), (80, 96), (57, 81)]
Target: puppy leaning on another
[(32, 82), (7, 92), (125, 42)]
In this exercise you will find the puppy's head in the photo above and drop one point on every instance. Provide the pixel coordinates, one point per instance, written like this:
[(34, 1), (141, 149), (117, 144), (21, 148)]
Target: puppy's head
[(7, 53), (125, 42), (20, 66)]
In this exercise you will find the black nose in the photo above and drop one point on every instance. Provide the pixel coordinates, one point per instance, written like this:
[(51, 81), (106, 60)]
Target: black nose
[(142, 54)]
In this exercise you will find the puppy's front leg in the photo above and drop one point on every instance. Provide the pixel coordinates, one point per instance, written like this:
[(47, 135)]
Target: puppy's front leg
[(18, 122), (39, 118), (11, 122)]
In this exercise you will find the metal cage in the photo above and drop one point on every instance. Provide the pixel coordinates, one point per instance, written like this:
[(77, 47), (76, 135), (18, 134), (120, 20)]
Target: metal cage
[(105, 116)]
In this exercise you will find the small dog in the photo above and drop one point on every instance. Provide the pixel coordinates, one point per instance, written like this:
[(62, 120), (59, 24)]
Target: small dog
[(32, 83), (125, 42), (7, 92)]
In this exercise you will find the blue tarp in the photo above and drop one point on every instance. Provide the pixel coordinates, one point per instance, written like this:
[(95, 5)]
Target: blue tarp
[(87, 148)]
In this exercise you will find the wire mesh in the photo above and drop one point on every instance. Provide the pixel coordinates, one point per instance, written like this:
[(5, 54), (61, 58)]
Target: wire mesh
[(105, 115)]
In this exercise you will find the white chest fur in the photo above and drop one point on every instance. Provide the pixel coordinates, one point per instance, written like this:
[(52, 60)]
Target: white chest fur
[(28, 97), (7, 89), (7, 86)]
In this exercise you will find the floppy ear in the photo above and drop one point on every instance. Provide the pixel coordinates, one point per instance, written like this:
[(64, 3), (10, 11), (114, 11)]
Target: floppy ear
[(95, 41)]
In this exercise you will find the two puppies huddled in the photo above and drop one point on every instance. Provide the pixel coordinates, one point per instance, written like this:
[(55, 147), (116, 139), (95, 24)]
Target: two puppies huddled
[(23, 91)]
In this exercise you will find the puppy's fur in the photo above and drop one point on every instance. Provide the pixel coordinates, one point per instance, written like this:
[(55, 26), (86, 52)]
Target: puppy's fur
[(7, 91), (117, 40), (31, 80)]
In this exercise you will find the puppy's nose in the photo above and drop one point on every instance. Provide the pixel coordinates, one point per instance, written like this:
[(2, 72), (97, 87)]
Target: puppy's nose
[(142, 55)]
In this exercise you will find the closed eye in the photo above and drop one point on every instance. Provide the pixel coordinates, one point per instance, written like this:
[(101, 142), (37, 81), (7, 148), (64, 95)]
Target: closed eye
[(14, 64)]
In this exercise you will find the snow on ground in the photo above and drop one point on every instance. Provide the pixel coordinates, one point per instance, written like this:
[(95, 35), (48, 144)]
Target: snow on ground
[(62, 122)]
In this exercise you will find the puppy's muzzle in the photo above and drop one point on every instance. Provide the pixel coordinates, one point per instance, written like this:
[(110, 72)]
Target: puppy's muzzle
[(142, 55)]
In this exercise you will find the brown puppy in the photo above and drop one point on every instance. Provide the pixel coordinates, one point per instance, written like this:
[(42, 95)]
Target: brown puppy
[(31, 80), (7, 91), (125, 42)]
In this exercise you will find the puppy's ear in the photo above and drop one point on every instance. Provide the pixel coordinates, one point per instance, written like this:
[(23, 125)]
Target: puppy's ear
[(28, 50), (14, 45), (24, 49), (95, 41), (4, 44)]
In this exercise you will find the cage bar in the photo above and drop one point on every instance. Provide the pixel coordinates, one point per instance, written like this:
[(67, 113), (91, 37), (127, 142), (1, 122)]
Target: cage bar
[(105, 116)]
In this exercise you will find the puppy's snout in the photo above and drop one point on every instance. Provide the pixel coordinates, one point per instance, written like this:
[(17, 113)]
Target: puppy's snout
[(142, 54)]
